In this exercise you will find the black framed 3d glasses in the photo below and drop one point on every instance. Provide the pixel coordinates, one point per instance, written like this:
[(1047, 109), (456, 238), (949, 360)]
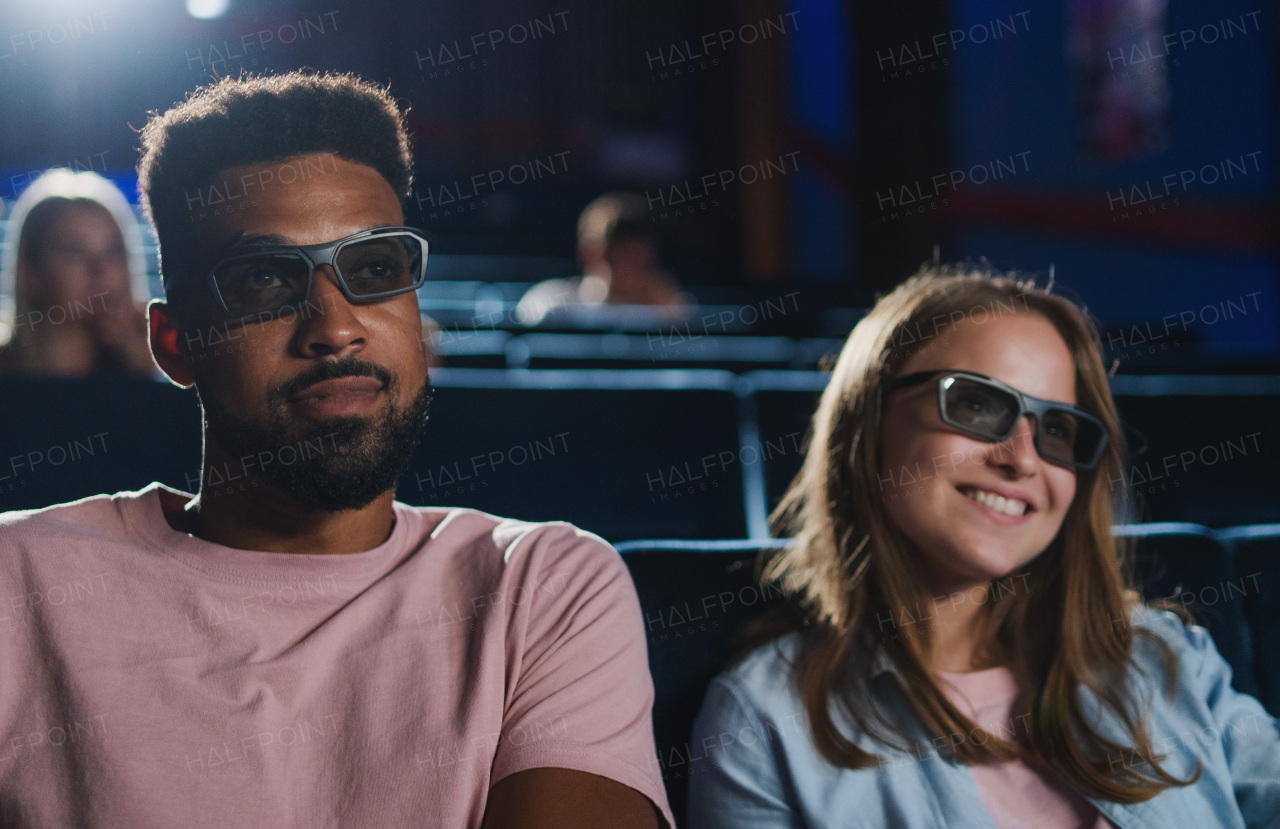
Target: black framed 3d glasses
[(986, 408), (373, 264)]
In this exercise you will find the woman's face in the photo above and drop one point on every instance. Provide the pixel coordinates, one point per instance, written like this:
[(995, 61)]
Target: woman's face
[(930, 472), (83, 261)]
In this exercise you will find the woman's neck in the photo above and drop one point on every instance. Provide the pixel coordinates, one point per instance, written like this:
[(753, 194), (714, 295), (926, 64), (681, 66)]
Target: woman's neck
[(957, 642), (71, 351)]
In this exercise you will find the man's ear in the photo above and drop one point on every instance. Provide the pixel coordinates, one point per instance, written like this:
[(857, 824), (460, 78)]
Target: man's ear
[(166, 344)]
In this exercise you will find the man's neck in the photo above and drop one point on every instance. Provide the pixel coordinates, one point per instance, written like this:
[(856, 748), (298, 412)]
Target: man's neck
[(260, 517)]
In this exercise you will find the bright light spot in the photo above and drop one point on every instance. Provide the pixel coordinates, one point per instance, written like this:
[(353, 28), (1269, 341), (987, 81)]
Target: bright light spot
[(207, 9)]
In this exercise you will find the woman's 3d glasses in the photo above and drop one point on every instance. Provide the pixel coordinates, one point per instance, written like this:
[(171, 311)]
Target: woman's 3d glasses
[(986, 408)]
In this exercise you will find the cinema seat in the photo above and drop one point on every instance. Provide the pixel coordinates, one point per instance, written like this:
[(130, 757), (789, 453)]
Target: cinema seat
[(694, 595), (1210, 440), (661, 349), (784, 403), (627, 455), (471, 348), (65, 439), (1191, 566), (1256, 551)]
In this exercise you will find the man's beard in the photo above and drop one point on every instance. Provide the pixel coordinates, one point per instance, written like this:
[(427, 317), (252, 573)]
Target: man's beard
[(332, 464)]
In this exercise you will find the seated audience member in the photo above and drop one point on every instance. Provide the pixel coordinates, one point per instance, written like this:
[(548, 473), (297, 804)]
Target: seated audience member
[(618, 252), (291, 646), (73, 282), (962, 648)]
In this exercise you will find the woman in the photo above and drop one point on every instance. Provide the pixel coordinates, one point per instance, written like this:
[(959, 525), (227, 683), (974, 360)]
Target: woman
[(964, 649), (73, 281)]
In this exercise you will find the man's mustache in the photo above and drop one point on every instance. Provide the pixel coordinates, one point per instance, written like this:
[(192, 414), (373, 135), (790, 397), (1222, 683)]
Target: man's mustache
[(331, 370)]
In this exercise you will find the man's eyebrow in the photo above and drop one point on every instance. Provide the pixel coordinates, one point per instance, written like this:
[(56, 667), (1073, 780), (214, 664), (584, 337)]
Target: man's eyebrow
[(246, 241), (252, 240)]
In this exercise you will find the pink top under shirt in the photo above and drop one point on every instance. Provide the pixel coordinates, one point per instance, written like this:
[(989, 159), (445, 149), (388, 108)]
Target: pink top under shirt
[(149, 678), (1018, 796)]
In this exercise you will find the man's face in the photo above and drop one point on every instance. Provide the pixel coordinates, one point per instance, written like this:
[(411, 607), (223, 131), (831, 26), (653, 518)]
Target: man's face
[(329, 401)]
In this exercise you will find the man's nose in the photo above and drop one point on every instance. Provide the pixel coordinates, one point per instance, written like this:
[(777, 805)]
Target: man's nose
[(329, 322)]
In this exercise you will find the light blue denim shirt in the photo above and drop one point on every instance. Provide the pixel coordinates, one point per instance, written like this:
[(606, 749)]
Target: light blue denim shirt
[(755, 765)]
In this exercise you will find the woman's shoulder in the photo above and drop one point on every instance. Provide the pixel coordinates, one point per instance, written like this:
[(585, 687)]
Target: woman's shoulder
[(763, 680), (1169, 647), (756, 701), (1182, 638), (766, 661)]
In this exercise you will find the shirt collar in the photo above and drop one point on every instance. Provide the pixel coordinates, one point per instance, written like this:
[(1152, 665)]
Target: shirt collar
[(882, 663)]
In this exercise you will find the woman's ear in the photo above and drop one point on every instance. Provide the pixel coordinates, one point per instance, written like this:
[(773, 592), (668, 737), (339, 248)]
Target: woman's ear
[(166, 344)]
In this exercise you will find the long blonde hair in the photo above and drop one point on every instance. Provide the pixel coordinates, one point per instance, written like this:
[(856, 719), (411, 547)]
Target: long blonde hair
[(850, 566)]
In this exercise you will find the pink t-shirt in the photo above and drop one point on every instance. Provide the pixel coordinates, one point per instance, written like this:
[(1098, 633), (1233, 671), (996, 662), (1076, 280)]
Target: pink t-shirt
[(1016, 794), (149, 678)]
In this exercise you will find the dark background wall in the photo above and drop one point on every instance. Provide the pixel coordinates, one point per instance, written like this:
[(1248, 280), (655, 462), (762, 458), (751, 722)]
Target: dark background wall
[(852, 101)]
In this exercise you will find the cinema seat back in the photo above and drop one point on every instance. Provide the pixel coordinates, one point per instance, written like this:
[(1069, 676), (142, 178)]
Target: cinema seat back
[(1256, 552), (65, 439), (695, 596), (1192, 567)]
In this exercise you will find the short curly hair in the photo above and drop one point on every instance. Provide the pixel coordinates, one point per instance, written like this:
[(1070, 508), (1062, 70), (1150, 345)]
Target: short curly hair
[(255, 120)]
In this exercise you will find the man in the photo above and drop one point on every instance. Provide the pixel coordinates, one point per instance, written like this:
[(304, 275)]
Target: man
[(298, 649), (618, 252)]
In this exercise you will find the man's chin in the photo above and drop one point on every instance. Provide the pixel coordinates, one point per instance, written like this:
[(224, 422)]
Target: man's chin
[(331, 464), (333, 433), (328, 491)]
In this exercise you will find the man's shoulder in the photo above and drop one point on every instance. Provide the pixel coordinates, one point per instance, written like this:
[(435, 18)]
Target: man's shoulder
[(547, 295), (88, 516), (466, 527), (558, 288), (559, 570)]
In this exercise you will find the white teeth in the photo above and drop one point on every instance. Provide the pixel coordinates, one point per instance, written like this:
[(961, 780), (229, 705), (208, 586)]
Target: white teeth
[(998, 503)]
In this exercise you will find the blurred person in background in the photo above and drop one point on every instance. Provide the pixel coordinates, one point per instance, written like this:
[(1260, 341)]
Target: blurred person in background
[(618, 252), (73, 281)]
